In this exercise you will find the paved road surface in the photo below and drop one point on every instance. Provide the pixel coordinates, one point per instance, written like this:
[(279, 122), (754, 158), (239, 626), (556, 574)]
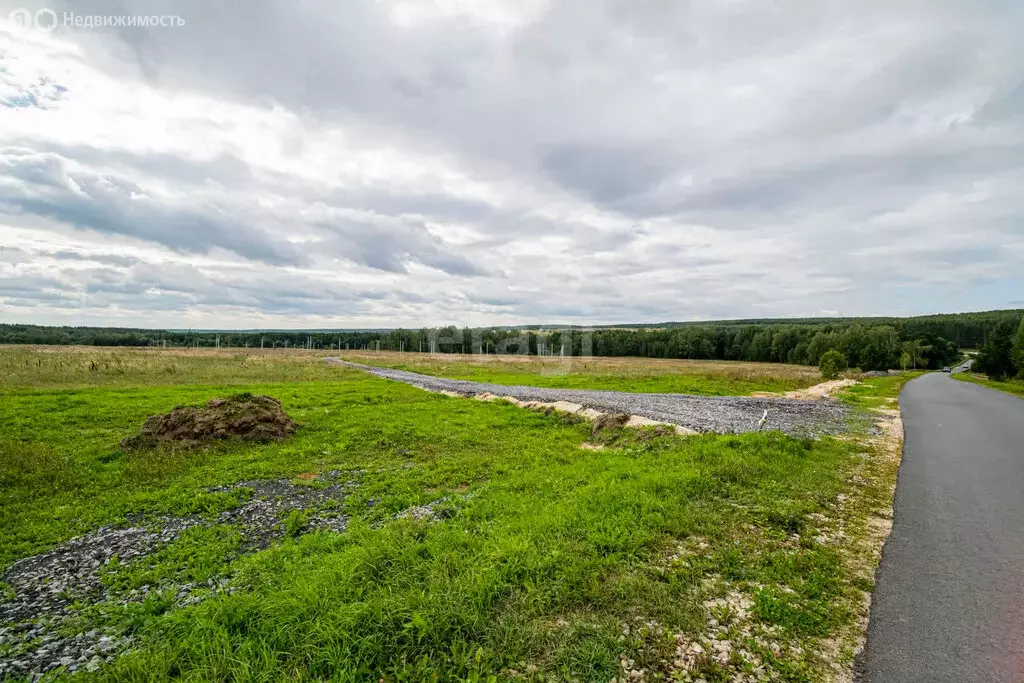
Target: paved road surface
[(949, 601)]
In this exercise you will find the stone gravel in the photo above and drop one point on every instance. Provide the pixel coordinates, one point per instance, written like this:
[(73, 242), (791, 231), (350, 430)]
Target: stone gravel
[(46, 590), (720, 414)]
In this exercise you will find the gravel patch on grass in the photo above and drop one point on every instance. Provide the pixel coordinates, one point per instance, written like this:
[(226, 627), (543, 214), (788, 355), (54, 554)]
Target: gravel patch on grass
[(720, 414), (45, 591)]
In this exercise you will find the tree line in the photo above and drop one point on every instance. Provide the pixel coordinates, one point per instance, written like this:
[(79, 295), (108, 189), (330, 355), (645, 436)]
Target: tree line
[(1002, 355), (865, 343)]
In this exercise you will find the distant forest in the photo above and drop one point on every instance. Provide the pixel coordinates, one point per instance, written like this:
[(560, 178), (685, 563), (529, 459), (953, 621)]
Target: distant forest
[(867, 343)]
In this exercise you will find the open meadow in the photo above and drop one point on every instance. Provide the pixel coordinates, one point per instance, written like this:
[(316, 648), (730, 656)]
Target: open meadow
[(401, 535)]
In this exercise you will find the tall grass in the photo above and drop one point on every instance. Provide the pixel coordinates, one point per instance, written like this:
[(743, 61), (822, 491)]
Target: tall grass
[(67, 366)]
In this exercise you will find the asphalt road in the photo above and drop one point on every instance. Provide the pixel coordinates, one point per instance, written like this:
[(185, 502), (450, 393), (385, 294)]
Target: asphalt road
[(949, 599)]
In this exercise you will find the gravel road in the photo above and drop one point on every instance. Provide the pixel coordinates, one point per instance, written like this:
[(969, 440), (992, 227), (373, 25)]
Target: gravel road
[(722, 414)]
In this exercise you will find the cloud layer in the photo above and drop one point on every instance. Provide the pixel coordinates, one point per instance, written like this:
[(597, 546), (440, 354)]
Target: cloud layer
[(393, 163)]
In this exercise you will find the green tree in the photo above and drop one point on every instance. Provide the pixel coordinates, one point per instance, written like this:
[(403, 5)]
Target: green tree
[(915, 349), (995, 358), (832, 364), (1018, 349), (905, 360), (880, 348), (820, 343)]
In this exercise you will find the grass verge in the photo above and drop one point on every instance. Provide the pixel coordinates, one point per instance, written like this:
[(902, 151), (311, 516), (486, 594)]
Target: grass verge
[(1015, 387)]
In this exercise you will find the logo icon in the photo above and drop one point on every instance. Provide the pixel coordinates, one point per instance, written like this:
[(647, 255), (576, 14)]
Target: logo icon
[(20, 18), (44, 19)]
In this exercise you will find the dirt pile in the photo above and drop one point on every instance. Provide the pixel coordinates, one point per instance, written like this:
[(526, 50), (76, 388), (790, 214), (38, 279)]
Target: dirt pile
[(823, 390), (608, 421), (244, 417)]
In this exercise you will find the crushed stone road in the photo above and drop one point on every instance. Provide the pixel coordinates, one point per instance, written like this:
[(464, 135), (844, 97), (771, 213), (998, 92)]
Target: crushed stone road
[(721, 414)]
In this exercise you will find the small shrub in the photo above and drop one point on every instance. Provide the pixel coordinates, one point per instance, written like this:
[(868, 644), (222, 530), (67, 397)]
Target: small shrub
[(832, 364), (295, 522)]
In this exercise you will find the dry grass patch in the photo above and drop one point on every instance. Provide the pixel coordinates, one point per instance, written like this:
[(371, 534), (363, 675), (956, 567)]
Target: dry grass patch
[(76, 366)]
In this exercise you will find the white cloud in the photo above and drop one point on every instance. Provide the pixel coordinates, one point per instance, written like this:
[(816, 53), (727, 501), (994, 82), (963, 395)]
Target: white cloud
[(396, 163)]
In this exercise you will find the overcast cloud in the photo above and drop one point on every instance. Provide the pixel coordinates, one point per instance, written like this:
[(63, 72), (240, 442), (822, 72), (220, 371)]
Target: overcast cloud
[(405, 163)]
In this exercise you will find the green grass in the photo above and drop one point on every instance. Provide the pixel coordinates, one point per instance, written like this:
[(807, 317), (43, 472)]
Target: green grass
[(708, 378), (878, 392), (548, 551), (1015, 387), (197, 555)]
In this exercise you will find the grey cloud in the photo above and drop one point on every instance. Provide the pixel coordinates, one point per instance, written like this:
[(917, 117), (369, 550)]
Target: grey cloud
[(835, 134), (1002, 106), (46, 160), (172, 287), (389, 245), (605, 175), (26, 284), (117, 205), (875, 181), (387, 242), (14, 255), (108, 259)]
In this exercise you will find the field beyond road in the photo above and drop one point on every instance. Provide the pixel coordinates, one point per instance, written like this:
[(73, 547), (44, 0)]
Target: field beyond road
[(646, 375), (401, 535)]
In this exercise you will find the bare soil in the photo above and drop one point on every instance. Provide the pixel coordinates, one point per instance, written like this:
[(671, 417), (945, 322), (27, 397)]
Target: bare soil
[(245, 417)]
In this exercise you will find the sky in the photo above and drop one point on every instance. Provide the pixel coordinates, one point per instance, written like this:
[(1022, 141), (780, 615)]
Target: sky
[(387, 163)]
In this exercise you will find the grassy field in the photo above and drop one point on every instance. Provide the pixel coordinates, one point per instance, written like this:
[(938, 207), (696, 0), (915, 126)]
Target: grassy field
[(1015, 387), (89, 366), (649, 375), (549, 562)]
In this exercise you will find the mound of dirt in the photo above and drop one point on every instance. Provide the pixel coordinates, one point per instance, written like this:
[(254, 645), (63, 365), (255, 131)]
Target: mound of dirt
[(608, 421), (244, 417), (822, 390)]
